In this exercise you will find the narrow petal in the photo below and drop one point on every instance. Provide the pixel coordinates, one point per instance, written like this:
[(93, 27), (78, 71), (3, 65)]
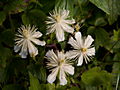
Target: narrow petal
[(52, 56), (69, 69), (51, 77), (72, 54), (16, 48), (32, 49), (73, 43), (80, 60), (69, 21), (67, 28), (88, 41), (37, 34), (91, 51), (78, 37), (61, 55), (59, 33), (62, 77), (38, 42)]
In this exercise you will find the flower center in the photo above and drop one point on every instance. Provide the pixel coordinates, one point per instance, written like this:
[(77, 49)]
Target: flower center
[(83, 49), (26, 33), (61, 62), (57, 18)]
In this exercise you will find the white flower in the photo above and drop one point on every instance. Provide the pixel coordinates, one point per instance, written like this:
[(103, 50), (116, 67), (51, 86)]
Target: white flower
[(58, 22), (58, 64), (83, 48), (24, 40)]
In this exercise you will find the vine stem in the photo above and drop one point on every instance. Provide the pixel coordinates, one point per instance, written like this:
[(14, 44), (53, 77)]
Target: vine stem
[(117, 82), (110, 49)]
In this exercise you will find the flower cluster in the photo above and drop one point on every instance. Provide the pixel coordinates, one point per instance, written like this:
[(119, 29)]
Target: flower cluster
[(59, 63)]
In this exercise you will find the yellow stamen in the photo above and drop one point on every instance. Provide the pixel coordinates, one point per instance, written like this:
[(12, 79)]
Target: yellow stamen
[(84, 49), (26, 33), (61, 62), (57, 18)]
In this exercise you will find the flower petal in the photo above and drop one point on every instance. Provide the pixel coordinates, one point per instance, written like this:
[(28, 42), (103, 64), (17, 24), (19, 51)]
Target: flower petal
[(73, 43), (67, 28), (51, 77), (88, 41), (51, 56), (38, 42), (72, 54), (59, 33), (69, 69), (62, 77), (32, 49), (80, 60), (91, 51), (78, 37), (37, 34)]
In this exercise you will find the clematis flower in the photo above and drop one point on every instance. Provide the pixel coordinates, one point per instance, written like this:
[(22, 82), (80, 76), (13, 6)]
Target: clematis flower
[(58, 64), (82, 48), (58, 22), (24, 40)]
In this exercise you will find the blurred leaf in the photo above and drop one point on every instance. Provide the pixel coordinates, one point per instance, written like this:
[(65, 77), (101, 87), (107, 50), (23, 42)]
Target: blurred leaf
[(35, 17), (116, 35), (38, 71), (102, 38), (100, 22), (7, 37), (2, 17), (13, 87), (95, 77), (34, 83)]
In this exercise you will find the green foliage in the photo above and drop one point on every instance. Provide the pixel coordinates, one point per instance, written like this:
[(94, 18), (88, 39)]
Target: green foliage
[(98, 18)]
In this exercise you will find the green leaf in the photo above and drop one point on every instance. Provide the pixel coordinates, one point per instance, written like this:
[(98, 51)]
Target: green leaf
[(116, 36), (2, 17), (38, 71), (102, 38), (13, 87), (34, 83), (102, 4), (35, 17), (7, 37), (95, 77), (100, 22)]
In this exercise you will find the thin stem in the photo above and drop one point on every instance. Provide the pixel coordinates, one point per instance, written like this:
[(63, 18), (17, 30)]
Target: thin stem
[(117, 82), (110, 49)]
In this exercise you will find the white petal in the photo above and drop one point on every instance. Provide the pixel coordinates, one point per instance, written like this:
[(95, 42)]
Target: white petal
[(73, 43), (67, 28), (51, 78), (38, 42), (78, 37), (24, 51), (32, 49), (62, 77), (88, 41), (16, 48), (72, 54), (69, 21), (91, 51), (69, 69), (52, 56), (80, 60), (37, 34), (59, 33), (61, 55), (64, 14)]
